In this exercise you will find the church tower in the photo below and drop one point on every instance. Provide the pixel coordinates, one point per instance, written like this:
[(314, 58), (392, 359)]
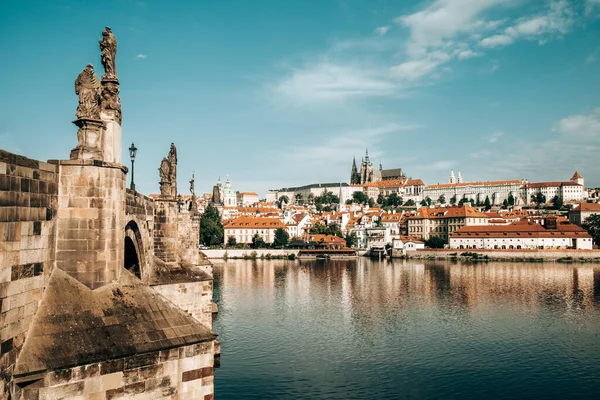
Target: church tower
[(354, 176), (452, 178), (577, 178), (459, 178)]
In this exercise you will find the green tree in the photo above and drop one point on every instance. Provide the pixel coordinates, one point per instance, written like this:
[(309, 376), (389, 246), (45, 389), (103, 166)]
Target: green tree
[(351, 239), (334, 229), (394, 199), (298, 198), (285, 199), (381, 200), (435, 242), (231, 242), (511, 200), (360, 197), (410, 203), (371, 202), (505, 203), (539, 198), (442, 199), (318, 229), (592, 225), (258, 242), (349, 201), (453, 200), (282, 238), (211, 228), (487, 203), (557, 202)]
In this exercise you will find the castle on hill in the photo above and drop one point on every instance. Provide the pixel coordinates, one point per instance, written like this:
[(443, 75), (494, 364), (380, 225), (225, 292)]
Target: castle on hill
[(368, 174)]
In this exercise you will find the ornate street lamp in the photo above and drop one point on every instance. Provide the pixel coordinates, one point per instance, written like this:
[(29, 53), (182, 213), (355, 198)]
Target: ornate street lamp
[(132, 151)]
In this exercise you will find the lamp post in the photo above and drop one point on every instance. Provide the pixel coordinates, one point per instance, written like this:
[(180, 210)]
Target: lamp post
[(132, 151)]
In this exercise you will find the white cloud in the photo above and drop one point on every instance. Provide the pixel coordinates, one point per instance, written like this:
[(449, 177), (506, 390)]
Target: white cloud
[(591, 5), (446, 164), (557, 21), (382, 30), (415, 69), (574, 146), (494, 137), (339, 147), (496, 41), (141, 56), (327, 82), (480, 154), (442, 20), (580, 126), (468, 53)]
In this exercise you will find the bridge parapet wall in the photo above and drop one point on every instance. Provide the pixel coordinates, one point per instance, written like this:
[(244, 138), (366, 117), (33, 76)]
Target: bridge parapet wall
[(28, 206)]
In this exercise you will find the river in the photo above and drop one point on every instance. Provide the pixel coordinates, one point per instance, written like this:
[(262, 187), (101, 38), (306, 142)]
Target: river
[(365, 329)]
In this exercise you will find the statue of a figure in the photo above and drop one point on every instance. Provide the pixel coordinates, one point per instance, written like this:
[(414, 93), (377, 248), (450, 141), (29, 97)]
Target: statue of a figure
[(164, 170), (192, 185), (173, 163), (88, 88), (108, 49)]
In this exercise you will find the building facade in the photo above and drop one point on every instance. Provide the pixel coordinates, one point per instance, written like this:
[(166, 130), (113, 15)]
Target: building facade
[(242, 229), (443, 221), (522, 235)]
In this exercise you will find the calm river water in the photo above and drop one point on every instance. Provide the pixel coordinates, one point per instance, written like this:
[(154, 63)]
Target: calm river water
[(407, 330)]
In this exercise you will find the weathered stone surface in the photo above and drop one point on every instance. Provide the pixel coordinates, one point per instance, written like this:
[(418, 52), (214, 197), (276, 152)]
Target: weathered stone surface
[(76, 325)]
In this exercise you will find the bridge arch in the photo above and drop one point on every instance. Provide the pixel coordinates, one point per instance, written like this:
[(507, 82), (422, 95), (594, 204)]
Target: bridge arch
[(136, 257)]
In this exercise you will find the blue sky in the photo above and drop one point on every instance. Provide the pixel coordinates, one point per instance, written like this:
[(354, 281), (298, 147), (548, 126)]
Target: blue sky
[(281, 93)]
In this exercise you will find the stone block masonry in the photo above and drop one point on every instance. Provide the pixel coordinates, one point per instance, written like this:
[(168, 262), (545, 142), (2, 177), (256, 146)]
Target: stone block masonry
[(166, 234), (91, 219), (28, 203), (184, 373)]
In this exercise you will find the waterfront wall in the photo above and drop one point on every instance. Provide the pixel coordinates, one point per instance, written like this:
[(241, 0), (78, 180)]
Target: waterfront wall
[(28, 206), (193, 297), (508, 255), (184, 372), (241, 253)]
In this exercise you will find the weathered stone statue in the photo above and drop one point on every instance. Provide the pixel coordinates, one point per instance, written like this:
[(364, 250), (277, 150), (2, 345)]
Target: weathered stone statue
[(192, 185), (168, 174), (173, 163), (111, 103), (89, 135), (108, 48), (88, 88)]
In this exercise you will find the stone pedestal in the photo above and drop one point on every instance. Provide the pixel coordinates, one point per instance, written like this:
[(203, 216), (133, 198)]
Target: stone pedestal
[(89, 140), (91, 220), (111, 115), (166, 235)]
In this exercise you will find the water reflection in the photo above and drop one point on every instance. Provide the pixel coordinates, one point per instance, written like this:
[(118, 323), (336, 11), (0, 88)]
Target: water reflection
[(405, 329)]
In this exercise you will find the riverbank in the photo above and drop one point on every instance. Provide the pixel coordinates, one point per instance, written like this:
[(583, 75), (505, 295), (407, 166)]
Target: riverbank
[(268, 254), (562, 256)]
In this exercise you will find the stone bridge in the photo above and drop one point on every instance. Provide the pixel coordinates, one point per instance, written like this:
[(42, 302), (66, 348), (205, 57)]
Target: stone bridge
[(103, 292)]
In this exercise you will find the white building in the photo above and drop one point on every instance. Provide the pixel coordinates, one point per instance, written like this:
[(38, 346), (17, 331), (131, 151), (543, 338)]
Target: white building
[(579, 212), (571, 191), (523, 235), (229, 196), (246, 198), (496, 191), (244, 228), (407, 243)]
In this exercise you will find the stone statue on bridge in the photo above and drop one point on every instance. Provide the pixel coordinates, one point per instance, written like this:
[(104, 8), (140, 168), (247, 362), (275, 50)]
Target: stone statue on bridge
[(88, 88), (192, 182), (108, 48), (168, 174)]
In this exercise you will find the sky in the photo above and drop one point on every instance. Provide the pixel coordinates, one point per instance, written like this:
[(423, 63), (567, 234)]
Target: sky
[(281, 93)]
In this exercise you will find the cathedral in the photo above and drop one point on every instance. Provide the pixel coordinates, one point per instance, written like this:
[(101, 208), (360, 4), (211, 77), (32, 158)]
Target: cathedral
[(368, 174)]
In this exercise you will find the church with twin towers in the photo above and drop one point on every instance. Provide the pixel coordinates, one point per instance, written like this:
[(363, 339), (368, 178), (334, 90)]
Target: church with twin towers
[(368, 174)]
